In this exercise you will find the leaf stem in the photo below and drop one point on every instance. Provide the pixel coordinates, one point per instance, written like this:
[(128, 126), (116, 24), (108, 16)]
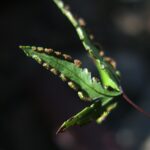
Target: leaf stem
[(135, 105)]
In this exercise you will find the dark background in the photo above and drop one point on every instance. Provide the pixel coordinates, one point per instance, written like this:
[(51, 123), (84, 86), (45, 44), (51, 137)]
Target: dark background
[(34, 103)]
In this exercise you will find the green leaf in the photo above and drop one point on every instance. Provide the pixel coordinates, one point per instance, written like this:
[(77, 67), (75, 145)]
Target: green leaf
[(93, 112), (101, 93), (90, 88), (108, 74), (84, 37)]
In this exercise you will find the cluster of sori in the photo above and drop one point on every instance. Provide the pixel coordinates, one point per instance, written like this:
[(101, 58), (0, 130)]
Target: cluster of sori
[(59, 55)]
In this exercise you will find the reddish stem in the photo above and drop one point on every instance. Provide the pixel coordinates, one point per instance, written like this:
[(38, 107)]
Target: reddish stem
[(135, 106)]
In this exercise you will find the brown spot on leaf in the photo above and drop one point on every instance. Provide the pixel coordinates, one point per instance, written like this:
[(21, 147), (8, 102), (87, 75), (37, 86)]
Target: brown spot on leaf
[(40, 49), (81, 22), (48, 50), (77, 62), (33, 48), (111, 62), (57, 53), (63, 78), (67, 57), (67, 7), (95, 79), (91, 37), (46, 66), (54, 71), (72, 85), (101, 53)]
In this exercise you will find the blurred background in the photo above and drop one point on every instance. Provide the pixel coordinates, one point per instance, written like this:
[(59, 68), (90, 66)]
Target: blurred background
[(34, 103)]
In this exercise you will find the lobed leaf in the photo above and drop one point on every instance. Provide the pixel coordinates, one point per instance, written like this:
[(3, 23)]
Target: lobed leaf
[(93, 112), (90, 88), (108, 74), (100, 93)]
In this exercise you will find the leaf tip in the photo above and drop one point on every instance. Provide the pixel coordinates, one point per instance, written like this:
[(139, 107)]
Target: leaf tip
[(60, 130), (25, 49), (20, 46)]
